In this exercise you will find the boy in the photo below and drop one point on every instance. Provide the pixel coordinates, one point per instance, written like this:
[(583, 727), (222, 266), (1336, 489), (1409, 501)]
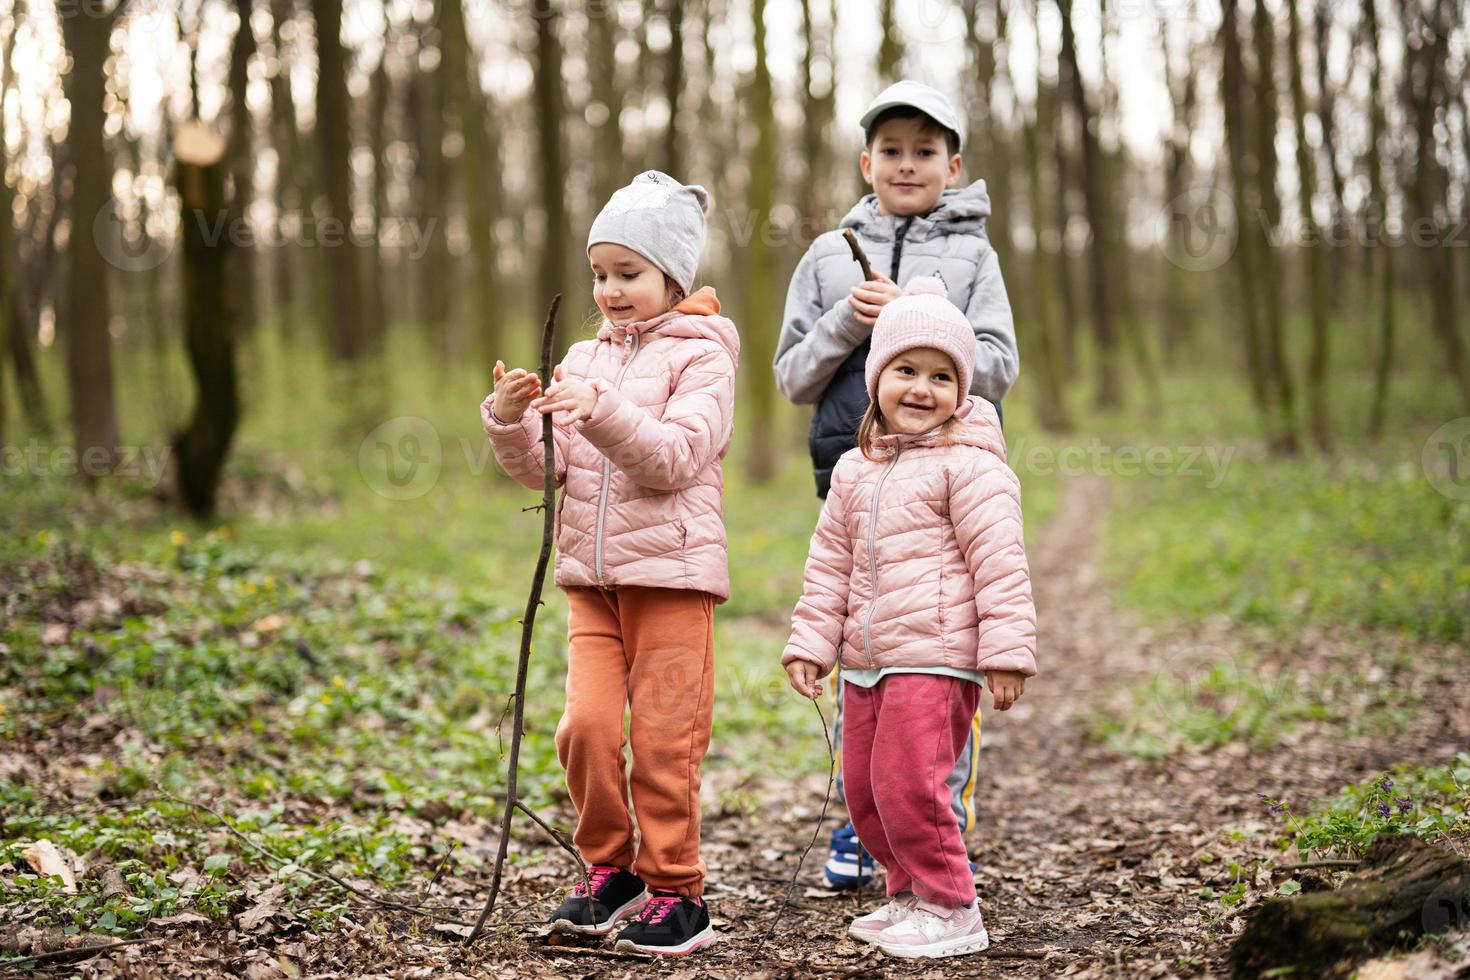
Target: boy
[(915, 223)]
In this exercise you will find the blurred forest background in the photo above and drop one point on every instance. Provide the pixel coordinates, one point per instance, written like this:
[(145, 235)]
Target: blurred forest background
[(1276, 188), (262, 578)]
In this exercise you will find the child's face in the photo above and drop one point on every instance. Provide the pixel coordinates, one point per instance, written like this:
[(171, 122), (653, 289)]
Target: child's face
[(627, 287), (918, 390), (908, 167)]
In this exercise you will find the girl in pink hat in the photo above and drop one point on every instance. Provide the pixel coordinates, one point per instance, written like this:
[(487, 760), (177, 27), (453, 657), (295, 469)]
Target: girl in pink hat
[(917, 580)]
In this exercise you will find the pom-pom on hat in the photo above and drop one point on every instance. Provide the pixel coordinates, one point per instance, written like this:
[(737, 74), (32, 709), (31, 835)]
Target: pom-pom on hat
[(660, 219), (922, 317)]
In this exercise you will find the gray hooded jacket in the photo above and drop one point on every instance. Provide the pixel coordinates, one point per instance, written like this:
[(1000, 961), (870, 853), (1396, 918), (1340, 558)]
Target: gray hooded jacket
[(822, 349)]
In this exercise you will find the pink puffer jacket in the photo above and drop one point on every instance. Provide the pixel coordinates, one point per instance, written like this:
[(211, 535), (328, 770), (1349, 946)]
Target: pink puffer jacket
[(644, 492), (918, 561)]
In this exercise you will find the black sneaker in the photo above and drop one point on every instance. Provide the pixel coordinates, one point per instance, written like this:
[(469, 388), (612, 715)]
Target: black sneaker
[(670, 925), (600, 898)]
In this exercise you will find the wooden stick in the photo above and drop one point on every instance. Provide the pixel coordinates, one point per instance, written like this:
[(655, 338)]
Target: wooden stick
[(325, 876), (1303, 865), (555, 835), (528, 622), (77, 953), (858, 255), (816, 831)]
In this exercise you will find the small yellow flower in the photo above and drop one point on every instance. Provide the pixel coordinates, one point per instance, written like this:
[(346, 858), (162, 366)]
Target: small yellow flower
[(326, 699), (337, 681), (269, 583), (177, 538), (250, 587)]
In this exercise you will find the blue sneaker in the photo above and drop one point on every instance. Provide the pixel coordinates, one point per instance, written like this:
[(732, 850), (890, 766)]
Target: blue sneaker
[(848, 865)]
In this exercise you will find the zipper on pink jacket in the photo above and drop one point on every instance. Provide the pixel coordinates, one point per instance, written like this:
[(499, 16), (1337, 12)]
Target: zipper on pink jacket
[(873, 557), (630, 344)]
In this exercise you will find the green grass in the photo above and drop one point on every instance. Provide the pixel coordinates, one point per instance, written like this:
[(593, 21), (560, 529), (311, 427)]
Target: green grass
[(1245, 696), (1430, 801)]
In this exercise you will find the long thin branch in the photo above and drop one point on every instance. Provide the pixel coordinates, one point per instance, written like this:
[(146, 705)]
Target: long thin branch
[(77, 953), (555, 835), (326, 876), (816, 831), (528, 622)]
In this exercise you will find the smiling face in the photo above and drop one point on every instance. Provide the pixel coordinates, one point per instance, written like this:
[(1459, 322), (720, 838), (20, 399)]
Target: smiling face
[(918, 390), (627, 287), (908, 165)]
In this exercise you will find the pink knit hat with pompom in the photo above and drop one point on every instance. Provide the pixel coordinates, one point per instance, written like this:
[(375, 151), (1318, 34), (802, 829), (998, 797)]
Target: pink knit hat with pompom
[(922, 317)]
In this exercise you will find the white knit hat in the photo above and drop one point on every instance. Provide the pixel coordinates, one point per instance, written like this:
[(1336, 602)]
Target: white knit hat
[(922, 317), (660, 219)]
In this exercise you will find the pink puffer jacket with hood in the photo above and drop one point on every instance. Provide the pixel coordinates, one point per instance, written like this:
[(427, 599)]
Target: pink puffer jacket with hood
[(918, 560), (644, 492)]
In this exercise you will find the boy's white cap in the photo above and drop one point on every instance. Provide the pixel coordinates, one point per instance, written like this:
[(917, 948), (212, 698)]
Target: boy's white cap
[(930, 101)]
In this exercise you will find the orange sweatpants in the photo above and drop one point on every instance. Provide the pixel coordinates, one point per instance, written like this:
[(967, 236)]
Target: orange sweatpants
[(652, 649)]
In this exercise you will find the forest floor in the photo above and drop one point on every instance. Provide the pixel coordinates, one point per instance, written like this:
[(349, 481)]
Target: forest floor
[(1093, 861)]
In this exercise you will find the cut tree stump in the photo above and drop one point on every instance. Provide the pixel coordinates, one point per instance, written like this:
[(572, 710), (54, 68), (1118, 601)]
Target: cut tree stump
[(1404, 889)]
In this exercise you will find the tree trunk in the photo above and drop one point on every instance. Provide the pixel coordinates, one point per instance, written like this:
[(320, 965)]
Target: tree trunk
[(609, 174), (890, 46), (673, 86), (1263, 36), (1376, 215), (819, 107), (296, 270), (202, 447), (30, 293), (760, 278), (1066, 282), (1337, 250), (465, 98), (552, 163), (9, 254), (1109, 391), (435, 268), (1404, 889), (1321, 423), (1179, 320), (241, 161), (1232, 94), (88, 343), (375, 301), (344, 273), (1050, 400), (1427, 73)]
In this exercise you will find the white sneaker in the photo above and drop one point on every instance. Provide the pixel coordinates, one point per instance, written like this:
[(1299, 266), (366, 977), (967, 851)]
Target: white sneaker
[(867, 927), (932, 931)]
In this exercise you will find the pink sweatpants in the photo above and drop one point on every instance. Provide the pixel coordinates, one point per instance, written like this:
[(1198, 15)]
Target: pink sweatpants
[(901, 740)]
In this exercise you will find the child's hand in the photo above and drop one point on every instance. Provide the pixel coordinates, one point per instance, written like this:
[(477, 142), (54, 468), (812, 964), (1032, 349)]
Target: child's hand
[(1006, 687), (513, 392), (803, 675), (574, 396), (870, 296)]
